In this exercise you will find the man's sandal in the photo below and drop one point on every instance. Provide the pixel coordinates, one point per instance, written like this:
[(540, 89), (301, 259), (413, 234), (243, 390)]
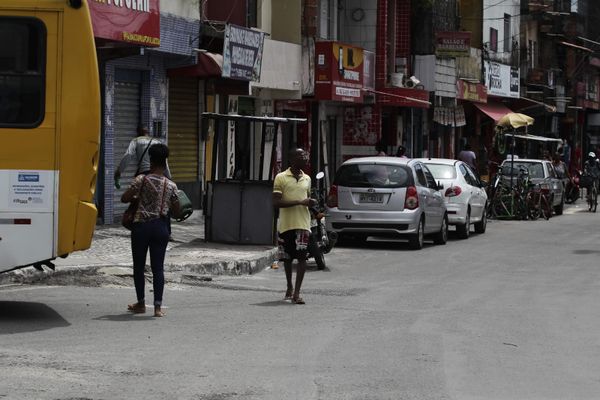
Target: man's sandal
[(136, 308), (158, 312)]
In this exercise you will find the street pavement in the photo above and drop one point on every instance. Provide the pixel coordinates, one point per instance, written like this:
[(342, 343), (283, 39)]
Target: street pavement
[(187, 256), (508, 315)]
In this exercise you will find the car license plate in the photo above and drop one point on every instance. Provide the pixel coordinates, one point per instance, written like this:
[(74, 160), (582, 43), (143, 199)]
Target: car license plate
[(371, 198)]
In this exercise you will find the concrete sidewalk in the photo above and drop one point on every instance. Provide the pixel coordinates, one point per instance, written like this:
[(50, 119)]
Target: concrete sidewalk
[(187, 254)]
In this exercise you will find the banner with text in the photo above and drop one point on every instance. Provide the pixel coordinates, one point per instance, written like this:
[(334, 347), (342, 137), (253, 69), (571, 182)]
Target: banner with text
[(242, 53), (501, 80), (132, 21)]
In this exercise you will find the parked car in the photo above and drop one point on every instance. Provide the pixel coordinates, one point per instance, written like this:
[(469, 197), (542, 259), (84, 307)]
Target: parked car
[(386, 196), (464, 194), (540, 171)]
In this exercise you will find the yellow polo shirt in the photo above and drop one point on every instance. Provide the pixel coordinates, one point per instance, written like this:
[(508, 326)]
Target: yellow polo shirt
[(296, 217)]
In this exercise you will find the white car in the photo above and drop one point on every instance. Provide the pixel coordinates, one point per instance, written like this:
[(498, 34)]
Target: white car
[(464, 193)]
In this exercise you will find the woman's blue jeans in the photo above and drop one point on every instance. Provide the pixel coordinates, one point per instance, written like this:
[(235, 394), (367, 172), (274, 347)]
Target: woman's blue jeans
[(153, 235)]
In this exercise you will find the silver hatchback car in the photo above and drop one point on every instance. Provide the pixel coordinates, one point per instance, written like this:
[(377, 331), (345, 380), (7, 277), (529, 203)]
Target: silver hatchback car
[(387, 196)]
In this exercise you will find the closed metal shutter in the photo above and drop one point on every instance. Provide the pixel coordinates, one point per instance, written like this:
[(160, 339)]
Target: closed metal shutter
[(183, 129), (126, 120)]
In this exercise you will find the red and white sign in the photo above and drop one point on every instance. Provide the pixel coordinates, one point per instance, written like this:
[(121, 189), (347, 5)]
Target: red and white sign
[(339, 72), (131, 21)]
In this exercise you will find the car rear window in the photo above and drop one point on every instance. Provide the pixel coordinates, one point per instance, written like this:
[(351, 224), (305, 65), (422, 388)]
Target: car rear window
[(535, 170), (374, 175), (441, 171)]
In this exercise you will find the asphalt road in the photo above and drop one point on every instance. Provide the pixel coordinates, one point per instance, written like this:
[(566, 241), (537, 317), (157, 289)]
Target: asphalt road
[(511, 314)]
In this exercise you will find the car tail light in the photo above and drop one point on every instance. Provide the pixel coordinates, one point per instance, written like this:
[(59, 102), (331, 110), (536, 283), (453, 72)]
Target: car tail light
[(453, 191), (412, 198), (332, 198)]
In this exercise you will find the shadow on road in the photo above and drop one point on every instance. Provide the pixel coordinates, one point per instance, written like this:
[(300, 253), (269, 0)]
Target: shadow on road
[(125, 317), (275, 303), (586, 251), (20, 317)]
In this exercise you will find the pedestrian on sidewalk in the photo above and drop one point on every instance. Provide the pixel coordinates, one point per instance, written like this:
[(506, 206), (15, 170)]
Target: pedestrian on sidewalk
[(138, 152), (157, 196), (467, 155), (291, 195)]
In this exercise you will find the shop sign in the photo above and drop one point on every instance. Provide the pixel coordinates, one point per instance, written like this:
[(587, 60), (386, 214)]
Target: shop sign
[(339, 72), (131, 21), (592, 97), (242, 53), (501, 80), (475, 92), (453, 44)]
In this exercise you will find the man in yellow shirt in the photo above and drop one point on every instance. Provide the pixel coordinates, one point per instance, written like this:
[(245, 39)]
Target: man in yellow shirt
[(291, 195)]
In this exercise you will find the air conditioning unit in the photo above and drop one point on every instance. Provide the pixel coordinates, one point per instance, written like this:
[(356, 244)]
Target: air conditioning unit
[(411, 82), (396, 79)]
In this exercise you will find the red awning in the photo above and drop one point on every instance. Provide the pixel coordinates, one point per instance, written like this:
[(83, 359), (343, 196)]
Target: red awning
[(209, 65), (493, 110)]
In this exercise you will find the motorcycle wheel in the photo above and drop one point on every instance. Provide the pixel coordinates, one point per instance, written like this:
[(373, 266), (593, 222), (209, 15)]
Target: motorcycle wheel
[(317, 254)]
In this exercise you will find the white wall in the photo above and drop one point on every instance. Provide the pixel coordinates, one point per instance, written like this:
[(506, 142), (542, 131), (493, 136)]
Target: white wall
[(493, 17), (188, 9)]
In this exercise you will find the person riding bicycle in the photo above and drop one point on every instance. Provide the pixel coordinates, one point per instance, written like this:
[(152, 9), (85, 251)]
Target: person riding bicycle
[(591, 167)]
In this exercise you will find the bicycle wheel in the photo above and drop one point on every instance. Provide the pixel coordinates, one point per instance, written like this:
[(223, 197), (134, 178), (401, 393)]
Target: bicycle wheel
[(533, 208), (545, 206), (589, 196), (594, 199)]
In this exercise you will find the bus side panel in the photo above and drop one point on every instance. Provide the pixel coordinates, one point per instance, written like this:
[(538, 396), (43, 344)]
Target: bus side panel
[(79, 131), (26, 217)]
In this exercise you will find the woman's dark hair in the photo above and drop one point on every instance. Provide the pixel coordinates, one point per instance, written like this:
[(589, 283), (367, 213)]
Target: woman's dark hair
[(158, 155)]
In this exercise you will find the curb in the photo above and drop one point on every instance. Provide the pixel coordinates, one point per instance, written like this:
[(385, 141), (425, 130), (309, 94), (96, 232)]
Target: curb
[(240, 267)]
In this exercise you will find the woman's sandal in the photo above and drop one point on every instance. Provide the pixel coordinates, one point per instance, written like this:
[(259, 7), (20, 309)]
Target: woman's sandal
[(136, 308), (298, 300), (289, 293)]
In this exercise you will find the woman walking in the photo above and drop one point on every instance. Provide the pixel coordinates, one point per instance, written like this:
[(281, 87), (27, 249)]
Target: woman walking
[(157, 196)]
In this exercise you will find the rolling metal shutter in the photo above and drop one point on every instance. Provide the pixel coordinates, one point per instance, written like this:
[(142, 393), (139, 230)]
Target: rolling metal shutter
[(183, 129), (126, 120)]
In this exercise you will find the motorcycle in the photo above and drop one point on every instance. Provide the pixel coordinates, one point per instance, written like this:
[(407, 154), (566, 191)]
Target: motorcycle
[(572, 188), (320, 242)]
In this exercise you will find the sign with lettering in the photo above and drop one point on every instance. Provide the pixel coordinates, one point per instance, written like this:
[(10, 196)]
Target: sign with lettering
[(475, 92), (242, 53), (453, 44), (132, 21), (501, 80), (340, 72)]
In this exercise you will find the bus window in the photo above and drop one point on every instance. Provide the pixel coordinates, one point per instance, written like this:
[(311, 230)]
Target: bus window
[(22, 62)]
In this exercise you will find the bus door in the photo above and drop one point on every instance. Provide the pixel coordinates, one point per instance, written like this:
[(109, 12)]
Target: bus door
[(29, 177)]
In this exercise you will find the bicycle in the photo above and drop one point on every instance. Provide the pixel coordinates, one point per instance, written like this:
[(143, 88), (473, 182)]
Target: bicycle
[(590, 182), (508, 201), (537, 201)]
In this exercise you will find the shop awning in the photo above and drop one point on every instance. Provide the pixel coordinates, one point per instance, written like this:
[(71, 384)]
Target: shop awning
[(493, 110), (538, 138), (209, 65)]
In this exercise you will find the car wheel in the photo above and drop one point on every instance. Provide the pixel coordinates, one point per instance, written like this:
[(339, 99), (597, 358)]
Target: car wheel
[(416, 239), (481, 225), (442, 236), (464, 230), (558, 210)]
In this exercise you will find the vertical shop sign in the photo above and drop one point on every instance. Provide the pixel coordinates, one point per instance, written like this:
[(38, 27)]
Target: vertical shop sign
[(232, 109)]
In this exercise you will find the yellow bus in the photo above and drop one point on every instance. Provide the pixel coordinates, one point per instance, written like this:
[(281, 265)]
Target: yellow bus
[(49, 130)]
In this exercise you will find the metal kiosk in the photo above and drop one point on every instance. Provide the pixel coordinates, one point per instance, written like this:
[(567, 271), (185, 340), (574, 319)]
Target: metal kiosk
[(238, 207)]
